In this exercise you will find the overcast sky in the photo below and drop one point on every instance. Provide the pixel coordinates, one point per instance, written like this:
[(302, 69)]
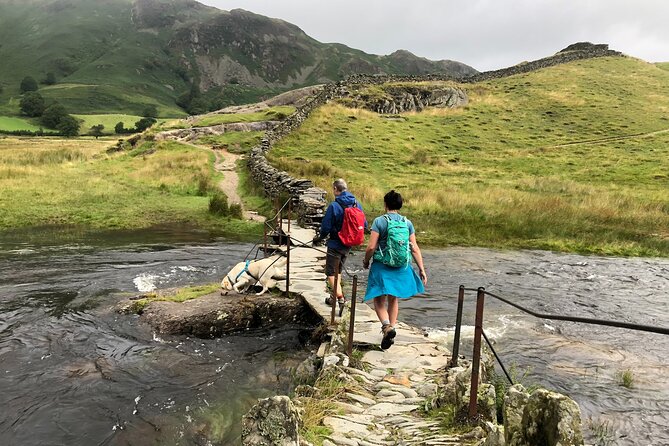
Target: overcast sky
[(486, 34)]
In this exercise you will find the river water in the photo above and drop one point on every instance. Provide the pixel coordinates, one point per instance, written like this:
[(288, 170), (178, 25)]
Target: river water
[(582, 361), (73, 372)]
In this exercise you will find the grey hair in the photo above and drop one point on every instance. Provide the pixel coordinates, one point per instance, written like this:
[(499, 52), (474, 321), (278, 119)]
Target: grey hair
[(340, 185)]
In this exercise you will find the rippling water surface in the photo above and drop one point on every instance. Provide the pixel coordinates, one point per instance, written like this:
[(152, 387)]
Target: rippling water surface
[(582, 361), (74, 372)]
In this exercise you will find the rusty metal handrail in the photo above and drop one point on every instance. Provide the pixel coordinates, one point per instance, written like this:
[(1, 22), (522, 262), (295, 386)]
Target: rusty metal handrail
[(584, 320), (478, 333)]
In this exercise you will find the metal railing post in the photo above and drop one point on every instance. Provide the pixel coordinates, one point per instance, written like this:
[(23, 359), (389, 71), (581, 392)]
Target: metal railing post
[(288, 265), (264, 246), (458, 326), (290, 212), (476, 360), (280, 212), (351, 325), (334, 291)]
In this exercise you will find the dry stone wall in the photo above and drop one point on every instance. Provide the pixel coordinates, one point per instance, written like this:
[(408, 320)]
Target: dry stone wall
[(309, 201)]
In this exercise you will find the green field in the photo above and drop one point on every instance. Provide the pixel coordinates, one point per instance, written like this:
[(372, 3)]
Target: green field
[(11, 124), (51, 181), (570, 158)]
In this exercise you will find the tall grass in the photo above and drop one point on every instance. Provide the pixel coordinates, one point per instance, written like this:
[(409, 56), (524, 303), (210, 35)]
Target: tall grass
[(562, 159), (235, 142), (51, 181)]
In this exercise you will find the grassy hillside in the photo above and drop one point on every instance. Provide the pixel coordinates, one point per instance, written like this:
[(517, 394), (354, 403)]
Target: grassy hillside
[(50, 181), (572, 158), (104, 61), (118, 56)]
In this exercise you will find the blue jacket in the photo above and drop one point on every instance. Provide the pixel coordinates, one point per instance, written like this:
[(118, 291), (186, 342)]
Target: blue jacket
[(334, 218)]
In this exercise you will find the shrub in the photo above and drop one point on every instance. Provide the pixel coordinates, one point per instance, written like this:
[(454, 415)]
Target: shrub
[(218, 204), (96, 130), (50, 78), (144, 124), (53, 115), (28, 84), (32, 104), (235, 211), (68, 126), (203, 184), (150, 111)]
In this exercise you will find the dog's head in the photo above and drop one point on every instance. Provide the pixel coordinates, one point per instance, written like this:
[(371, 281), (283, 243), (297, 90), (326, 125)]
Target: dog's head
[(226, 286)]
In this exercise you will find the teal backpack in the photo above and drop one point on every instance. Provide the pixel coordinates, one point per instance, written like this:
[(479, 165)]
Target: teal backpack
[(397, 252)]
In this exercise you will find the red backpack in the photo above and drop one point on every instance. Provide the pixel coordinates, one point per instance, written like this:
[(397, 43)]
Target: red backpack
[(353, 226)]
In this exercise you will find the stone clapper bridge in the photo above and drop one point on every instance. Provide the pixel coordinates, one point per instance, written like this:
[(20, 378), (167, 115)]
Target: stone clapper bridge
[(400, 381)]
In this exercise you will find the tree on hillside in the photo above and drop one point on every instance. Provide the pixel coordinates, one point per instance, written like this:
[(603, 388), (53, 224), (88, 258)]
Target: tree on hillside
[(50, 78), (53, 114), (96, 130), (119, 128), (150, 111), (144, 124), (198, 106), (68, 126), (186, 99), (28, 84), (32, 104)]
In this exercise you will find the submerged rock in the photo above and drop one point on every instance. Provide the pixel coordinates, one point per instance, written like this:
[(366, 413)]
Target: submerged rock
[(273, 421)]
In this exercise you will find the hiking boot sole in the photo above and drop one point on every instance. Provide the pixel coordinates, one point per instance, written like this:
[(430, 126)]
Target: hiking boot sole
[(388, 339)]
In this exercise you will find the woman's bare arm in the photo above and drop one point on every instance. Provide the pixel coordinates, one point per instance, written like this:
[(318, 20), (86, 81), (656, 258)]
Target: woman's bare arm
[(418, 257), (371, 247)]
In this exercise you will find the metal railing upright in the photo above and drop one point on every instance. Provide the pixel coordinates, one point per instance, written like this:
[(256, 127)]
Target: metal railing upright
[(480, 333)]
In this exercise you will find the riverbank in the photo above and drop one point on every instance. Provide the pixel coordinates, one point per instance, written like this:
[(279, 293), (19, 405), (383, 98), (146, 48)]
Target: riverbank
[(55, 182)]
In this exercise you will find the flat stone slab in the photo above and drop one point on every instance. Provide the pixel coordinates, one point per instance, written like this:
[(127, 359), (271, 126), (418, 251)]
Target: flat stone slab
[(385, 409), (344, 426), (407, 357)]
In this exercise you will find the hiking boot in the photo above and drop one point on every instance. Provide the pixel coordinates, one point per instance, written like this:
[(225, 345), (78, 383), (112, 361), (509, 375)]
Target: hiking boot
[(388, 336), (341, 300)]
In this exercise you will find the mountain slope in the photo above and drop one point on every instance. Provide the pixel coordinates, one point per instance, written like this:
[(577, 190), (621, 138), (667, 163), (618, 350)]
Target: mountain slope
[(120, 55)]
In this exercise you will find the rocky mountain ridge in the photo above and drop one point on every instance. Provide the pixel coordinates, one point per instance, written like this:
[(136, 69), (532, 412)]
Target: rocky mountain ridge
[(129, 53)]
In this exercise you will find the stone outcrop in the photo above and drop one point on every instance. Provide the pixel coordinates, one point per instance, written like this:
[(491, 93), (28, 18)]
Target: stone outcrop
[(515, 401), (407, 98), (272, 422), (548, 418), (193, 133), (215, 315)]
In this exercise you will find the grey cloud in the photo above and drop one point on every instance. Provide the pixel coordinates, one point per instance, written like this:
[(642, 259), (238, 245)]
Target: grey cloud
[(487, 34)]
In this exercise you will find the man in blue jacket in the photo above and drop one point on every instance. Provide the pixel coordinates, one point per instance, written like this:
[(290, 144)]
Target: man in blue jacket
[(330, 226)]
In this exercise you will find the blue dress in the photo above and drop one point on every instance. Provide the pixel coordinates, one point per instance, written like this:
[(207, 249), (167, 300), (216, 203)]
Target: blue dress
[(402, 282)]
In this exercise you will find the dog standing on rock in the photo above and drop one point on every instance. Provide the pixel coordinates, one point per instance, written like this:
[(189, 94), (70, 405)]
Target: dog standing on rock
[(263, 272)]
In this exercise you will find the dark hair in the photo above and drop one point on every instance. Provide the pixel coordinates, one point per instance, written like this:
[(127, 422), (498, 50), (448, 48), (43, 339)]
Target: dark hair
[(393, 200)]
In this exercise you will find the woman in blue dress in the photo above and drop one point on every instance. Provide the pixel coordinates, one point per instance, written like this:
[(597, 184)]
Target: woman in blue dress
[(388, 282)]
